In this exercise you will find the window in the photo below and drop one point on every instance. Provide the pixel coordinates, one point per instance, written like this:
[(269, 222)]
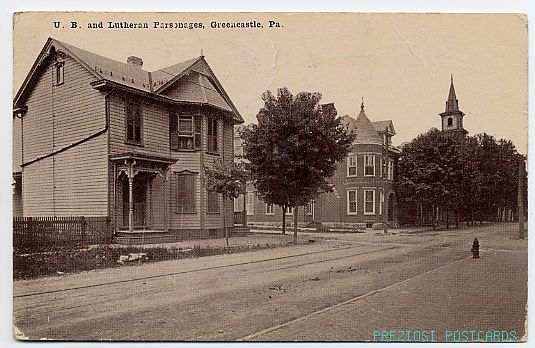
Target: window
[(386, 139), (289, 210), (212, 135), (269, 209), (310, 208), (185, 193), (390, 170), (381, 201), (184, 131), (133, 123), (60, 73), (352, 166), (369, 202), (250, 203), (213, 202), (369, 165), (450, 121), (351, 202)]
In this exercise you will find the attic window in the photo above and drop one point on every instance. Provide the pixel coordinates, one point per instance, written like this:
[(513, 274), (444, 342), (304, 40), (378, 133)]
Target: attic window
[(60, 73)]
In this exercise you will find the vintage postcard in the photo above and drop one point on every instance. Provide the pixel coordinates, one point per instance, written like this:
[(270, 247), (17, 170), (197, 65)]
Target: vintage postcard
[(284, 177)]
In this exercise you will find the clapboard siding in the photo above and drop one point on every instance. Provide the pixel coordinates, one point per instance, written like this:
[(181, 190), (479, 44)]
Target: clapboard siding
[(17, 145), (37, 189), (155, 127), (59, 116), (73, 182)]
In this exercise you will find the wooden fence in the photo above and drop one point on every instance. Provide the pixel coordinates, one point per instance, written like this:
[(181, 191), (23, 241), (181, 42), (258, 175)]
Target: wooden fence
[(46, 232)]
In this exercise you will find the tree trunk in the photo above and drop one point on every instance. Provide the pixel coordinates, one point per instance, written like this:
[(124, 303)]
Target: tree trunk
[(283, 219), (296, 208), (447, 217), (433, 217), (457, 216)]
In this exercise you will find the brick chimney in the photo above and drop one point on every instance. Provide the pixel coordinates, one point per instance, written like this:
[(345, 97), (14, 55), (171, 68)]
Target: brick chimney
[(135, 61)]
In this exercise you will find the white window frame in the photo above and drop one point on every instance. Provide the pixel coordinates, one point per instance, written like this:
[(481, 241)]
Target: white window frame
[(59, 73), (310, 208), (390, 170), (270, 209), (289, 210), (365, 201), (373, 163), (348, 210), (349, 165), (381, 201), (249, 203)]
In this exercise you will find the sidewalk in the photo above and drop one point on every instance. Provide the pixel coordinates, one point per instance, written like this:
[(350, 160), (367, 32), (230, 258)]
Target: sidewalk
[(489, 293)]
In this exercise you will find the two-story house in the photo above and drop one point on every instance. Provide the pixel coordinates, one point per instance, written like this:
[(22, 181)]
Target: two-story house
[(363, 184), (98, 137)]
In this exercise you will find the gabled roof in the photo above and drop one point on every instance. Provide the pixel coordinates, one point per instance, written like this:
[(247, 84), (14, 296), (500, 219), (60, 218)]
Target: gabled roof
[(135, 78), (380, 126)]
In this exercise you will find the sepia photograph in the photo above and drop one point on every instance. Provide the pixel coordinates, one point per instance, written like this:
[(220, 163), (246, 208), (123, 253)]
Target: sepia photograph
[(270, 177)]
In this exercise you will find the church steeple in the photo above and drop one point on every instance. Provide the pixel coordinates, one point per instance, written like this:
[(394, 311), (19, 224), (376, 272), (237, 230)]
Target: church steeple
[(452, 105), (452, 117)]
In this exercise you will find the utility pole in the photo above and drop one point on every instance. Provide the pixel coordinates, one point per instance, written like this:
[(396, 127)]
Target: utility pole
[(521, 171), (385, 186)]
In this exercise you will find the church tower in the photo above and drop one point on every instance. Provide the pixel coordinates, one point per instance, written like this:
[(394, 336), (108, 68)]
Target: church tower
[(452, 117)]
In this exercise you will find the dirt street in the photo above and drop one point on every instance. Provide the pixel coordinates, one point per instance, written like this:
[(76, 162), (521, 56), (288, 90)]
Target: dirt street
[(420, 280)]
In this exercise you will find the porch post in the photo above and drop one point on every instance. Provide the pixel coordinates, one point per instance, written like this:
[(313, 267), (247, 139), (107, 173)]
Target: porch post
[(166, 204), (130, 198)]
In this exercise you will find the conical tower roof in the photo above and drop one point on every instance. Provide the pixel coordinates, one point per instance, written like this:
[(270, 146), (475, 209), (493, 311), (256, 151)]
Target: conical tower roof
[(363, 127)]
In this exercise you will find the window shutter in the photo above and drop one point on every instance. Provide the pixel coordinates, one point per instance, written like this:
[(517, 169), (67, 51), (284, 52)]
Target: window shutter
[(180, 192), (198, 130), (189, 196), (173, 130), (137, 122)]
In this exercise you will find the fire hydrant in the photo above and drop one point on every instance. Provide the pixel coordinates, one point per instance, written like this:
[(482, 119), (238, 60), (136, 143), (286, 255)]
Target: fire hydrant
[(475, 249)]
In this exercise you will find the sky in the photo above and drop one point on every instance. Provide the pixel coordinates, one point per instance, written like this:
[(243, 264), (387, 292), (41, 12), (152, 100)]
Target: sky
[(399, 63)]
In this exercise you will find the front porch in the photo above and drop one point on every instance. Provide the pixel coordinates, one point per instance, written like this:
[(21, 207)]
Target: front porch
[(140, 203)]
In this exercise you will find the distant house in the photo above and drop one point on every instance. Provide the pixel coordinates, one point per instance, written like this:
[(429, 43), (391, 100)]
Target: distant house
[(98, 137), (363, 185)]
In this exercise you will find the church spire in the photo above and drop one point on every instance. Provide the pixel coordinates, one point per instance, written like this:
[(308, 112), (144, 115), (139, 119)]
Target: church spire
[(452, 105), (452, 117), (362, 104)]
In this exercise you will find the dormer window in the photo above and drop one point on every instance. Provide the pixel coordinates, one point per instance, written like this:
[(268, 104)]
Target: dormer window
[(60, 73)]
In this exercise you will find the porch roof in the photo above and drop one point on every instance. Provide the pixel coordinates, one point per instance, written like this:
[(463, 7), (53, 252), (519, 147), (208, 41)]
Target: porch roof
[(142, 157)]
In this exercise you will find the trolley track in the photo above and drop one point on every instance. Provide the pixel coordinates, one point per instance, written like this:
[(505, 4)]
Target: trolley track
[(122, 281)]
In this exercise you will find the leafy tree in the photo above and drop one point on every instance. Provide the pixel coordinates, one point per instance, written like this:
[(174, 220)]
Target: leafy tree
[(227, 180), (430, 171), (475, 175), (294, 148)]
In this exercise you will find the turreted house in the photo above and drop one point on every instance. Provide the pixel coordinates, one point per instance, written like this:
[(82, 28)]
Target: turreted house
[(98, 137), (363, 185)]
